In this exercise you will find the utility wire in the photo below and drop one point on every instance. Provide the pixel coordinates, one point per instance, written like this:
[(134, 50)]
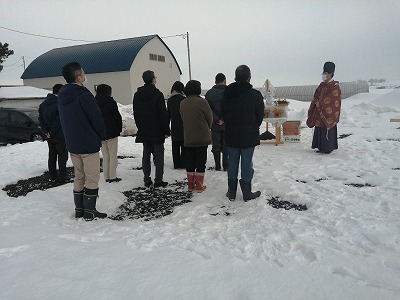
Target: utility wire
[(4, 71), (45, 36), (6, 66), (183, 35)]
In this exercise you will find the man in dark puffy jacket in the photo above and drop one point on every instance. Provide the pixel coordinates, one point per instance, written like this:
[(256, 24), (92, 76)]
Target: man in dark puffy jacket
[(84, 129), (51, 127), (242, 111), (151, 118), (213, 96)]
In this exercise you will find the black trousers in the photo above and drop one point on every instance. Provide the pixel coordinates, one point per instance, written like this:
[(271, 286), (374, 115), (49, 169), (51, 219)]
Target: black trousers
[(57, 152), (218, 140), (196, 158), (178, 154), (157, 149)]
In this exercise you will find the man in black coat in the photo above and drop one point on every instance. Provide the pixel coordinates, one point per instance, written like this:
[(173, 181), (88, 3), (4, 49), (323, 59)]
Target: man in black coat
[(151, 118), (242, 111), (213, 96), (50, 125)]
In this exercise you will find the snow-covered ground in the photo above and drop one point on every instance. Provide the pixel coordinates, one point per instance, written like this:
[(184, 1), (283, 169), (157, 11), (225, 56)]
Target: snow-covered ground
[(345, 246)]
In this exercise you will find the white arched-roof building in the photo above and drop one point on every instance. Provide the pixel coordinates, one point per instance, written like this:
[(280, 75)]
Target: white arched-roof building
[(118, 63)]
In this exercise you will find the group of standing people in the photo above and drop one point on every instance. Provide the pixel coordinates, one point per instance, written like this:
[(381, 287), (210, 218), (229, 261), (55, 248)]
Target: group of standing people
[(229, 119), (75, 121)]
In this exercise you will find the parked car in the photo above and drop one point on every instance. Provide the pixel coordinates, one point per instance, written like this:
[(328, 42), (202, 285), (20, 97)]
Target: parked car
[(19, 125)]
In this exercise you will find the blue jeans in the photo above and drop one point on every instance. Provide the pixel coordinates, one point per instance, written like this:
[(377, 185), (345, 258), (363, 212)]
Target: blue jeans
[(246, 163)]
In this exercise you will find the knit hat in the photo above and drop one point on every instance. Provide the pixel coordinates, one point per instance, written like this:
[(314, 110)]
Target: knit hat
[(329, 67)]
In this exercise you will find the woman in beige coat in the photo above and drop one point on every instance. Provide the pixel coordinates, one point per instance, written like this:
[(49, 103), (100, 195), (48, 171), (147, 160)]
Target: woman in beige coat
[(197, 120)]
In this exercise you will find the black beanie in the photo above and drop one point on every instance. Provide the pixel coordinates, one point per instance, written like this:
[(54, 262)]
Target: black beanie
[(329, 67)]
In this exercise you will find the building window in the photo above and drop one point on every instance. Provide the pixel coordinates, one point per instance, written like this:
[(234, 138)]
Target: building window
[(153, 56), (161, 58)]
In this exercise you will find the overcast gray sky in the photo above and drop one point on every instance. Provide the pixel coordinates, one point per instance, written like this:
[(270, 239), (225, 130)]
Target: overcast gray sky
[(284, 41)]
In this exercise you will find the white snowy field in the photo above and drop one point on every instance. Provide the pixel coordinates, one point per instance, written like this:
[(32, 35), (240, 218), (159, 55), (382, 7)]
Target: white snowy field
[(345, 246)]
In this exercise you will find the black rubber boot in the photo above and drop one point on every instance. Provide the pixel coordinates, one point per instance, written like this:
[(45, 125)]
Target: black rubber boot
[(78, 199), (217, 159), (246, 190), (232, 187), (89, 204), (225, 161)]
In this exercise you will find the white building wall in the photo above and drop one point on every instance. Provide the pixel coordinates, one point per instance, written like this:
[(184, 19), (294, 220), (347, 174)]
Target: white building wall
[(46, 83), (124, 84), (119, 82), (166, 72)]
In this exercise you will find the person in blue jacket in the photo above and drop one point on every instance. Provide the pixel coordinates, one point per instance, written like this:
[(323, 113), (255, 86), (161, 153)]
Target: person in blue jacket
[(50, 125), (84, 129)]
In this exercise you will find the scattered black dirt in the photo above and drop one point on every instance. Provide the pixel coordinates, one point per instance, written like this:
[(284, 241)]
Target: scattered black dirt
[(396, 169), (321, 179), (42, 182), (276, 203), (301, 181), (152, 203), (225, 213), (125, 156), (137, 168), (359, 185), (380, 140), (345, 135)]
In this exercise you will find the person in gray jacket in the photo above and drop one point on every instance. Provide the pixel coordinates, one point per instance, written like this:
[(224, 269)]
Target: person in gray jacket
[(197, 120), (213, 96)]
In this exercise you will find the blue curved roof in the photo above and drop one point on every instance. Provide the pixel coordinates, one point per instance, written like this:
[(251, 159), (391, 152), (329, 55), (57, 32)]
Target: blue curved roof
[(102, 57)]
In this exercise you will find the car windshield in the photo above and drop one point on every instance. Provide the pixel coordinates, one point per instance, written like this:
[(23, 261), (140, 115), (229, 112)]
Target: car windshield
[(34, 115)]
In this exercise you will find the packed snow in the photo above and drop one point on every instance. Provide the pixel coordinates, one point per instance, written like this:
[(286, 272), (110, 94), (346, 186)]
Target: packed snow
[(345, 246)]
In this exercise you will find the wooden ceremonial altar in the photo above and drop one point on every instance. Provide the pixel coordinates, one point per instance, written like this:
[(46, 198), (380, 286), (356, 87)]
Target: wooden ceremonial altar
[(277, 123), (275, 114)]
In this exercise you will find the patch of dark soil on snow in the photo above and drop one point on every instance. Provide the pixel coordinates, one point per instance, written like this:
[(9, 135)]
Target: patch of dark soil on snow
[(152, 203), (301, 181), (321, 179), (359, 185), (380, 140), (396, 169), (224, 213), (42, 182), (345, 135), (125, 156), (276, 203)]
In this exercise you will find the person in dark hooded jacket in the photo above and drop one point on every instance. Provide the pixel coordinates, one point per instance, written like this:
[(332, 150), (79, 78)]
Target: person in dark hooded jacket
[(173, 106), (151, 118), (242, 110), (113, 121), (84, 129), (50, 125), (213, 96)]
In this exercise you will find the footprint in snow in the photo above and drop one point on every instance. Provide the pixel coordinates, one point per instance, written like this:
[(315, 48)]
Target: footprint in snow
[(10, 252)]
